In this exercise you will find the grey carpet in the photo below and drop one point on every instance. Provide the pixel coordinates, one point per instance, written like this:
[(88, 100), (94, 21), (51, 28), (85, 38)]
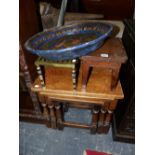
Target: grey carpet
[(36, 139)]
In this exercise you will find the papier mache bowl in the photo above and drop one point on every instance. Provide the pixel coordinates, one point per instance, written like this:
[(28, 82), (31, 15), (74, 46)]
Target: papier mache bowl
[(69, 42)]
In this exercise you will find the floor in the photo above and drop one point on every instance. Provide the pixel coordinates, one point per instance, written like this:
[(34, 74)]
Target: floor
[(36, 139)]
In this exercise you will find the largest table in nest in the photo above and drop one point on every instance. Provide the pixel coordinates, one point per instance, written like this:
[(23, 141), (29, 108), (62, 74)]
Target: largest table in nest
[(98, 97)]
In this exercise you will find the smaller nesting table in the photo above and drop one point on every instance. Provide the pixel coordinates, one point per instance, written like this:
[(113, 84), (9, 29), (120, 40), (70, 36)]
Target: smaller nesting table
[(56, 64), (110, 56)]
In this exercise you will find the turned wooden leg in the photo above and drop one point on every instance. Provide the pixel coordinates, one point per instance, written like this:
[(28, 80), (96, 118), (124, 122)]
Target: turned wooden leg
[(40, 76), (107, 121), (74, 80), (115, 78), (85, 73), (102, 115), (45, 110), (95, 113), (59, 116), (65, 107), (110, 108), (52, 115), (43, 101)]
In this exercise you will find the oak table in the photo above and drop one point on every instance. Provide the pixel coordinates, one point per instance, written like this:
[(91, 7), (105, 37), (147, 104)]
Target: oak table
[(58, 96)]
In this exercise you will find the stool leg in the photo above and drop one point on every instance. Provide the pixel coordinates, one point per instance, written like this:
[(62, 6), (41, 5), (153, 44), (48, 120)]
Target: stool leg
[(85, 73), (40, 76), (74, 80), (95, 113), (59, 116), (115, 78), (65, 107)]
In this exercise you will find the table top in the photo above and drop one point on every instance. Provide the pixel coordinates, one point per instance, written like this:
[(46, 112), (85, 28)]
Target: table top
[(111, 50)]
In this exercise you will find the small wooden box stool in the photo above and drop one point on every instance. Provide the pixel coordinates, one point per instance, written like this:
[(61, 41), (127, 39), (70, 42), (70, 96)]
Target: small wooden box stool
[(110, 56), (56, 67)]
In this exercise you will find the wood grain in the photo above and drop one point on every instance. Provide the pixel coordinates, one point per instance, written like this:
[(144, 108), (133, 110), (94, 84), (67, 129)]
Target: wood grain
[(97, 88)]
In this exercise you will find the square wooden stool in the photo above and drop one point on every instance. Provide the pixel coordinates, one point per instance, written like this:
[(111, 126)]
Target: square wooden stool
[(110, 56), (56, 67)]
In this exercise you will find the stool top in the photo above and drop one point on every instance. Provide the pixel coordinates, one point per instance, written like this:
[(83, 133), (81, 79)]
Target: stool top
[(112, 50), (63, 63)]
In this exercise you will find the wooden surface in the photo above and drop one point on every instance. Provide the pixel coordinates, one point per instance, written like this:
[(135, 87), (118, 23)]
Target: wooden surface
[(29, 24), (110, 56), (98, 86), (114, 48), (115, 10)]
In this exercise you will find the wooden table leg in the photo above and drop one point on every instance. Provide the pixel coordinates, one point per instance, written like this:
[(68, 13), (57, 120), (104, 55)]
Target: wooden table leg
[(95, 113), (85, 72), (102, 115), (44, 104), (42, 99), (59, 116), (52, 115), (46, 114), (111, 107), (107, 121), (115, 77), (45, 109), (65, 107)]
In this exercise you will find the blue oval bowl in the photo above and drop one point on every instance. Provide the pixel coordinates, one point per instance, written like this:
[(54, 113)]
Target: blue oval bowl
[(69, 42)]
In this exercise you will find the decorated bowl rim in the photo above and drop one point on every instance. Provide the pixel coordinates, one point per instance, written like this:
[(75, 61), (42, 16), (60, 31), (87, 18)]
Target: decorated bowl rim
[(35, 51)]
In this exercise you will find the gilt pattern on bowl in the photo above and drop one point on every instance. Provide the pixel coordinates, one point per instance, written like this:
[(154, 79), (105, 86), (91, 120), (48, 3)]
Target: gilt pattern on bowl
[(69, 42)]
